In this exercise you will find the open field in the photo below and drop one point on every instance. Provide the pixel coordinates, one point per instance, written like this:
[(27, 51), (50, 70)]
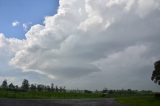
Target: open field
[(66, 102), (139, 100), (48, 95), (43, 98)]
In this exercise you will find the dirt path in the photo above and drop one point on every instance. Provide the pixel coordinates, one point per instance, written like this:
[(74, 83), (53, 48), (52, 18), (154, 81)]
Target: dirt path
[(69, 102)]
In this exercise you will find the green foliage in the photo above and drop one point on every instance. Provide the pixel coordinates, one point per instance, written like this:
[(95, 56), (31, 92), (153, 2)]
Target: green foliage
[(4, 84), (40, 91), (33, 87), (11, 86), (156, 73), (47, 95), (25, 85), (139, 100)]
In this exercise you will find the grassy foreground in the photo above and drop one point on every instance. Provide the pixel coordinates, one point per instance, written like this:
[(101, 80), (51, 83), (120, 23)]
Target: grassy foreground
[(48, 95), (130, 99), (139, 100)]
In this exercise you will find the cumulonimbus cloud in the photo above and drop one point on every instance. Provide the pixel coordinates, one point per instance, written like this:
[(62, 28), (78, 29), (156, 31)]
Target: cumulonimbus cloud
[(90, 37)]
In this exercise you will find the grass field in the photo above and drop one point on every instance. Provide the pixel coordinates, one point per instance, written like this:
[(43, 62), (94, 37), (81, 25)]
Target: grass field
[(48, 95), (136, 100), (139, 100)]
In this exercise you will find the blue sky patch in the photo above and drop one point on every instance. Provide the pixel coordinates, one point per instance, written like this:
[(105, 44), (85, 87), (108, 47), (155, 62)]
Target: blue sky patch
[(17, 16)]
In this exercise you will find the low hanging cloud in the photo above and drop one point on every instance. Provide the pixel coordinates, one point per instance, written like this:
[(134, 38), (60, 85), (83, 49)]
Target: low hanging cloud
[(95, 43)]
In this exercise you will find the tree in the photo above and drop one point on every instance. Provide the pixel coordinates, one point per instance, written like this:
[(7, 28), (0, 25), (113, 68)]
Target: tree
[(47, 88), (57, 89), (33, 87), (52, 87), (4, 84), (64, 89), (11, 86), (25, 85), (156, 72), (105, 90), (40, 87)]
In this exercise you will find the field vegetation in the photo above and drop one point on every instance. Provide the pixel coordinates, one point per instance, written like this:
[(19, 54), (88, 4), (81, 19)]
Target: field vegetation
[(139, 100), (39, 91)]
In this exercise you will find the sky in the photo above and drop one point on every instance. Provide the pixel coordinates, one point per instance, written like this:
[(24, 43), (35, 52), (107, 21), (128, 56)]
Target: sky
[(17, 16), (84, 44)]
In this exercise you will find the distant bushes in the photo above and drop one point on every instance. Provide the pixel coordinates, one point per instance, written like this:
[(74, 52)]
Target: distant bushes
[(26, 86), (157, 95)]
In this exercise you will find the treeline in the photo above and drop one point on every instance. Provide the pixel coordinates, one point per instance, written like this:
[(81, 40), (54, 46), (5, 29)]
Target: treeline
[(26, 86), (40, 91), (126, 92)]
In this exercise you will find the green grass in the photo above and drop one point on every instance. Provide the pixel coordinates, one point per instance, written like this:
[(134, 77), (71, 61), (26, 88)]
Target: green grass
[(139, 100), (136, 100), (48, 95)]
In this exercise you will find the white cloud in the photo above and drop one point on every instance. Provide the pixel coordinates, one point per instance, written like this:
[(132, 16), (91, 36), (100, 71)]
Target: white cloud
[(8, 48), (2, 38), (26, 26), (15, 23), (94, 44)]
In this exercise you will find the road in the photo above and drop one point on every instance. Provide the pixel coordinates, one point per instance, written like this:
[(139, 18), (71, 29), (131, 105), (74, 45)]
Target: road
[(67, 102)]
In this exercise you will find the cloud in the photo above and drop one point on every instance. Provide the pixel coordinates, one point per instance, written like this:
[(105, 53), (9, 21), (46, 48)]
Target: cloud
[(15, 23), (8, 48), (26, 26), (95, 44), (10, 79)]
